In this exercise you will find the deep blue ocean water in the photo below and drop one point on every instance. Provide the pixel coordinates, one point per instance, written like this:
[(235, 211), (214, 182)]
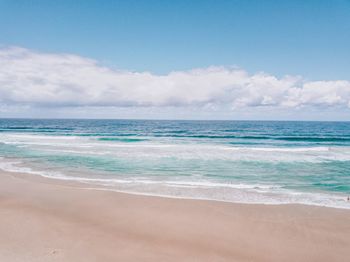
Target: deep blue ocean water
[(240, 161)]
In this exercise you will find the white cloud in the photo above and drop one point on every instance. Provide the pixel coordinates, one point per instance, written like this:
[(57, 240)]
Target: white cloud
[(30, 78)]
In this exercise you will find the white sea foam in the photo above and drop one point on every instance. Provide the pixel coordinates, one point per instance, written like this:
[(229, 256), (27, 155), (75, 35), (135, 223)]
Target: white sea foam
[(299, 149), (160, 149), (210, 190)]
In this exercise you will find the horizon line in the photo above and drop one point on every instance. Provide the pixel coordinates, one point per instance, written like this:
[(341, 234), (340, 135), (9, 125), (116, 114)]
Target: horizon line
[(163, 119)]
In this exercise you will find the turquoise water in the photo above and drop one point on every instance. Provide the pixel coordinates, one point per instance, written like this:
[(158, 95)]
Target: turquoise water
[(238, 161)]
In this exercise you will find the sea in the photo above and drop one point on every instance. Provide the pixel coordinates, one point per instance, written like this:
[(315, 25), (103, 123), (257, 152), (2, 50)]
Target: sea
[(265, 162)]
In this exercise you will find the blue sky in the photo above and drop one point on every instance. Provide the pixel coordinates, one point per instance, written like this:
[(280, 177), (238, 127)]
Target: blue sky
[(310, 39)]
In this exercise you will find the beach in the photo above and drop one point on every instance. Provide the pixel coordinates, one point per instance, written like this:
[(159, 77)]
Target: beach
[(171, 131), (48, 220)]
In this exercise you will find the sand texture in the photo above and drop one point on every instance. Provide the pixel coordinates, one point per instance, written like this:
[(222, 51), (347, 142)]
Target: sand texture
[(42, 220)]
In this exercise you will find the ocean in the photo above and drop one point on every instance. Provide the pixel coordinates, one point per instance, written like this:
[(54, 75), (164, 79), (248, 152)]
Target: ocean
[(268, 162)]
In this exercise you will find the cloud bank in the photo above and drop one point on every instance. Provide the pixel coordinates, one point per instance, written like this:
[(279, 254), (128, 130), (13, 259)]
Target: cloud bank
[(29, 78)]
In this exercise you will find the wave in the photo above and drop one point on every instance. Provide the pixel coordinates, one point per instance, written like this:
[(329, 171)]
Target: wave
[(208, 190), (144, 148), (35, 129), (126, 140), (313, 139), (248, 137), (60, 133)]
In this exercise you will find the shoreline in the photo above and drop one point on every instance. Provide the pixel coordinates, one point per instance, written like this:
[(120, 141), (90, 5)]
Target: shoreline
[(42, 220), (76, 183), (88, 183)]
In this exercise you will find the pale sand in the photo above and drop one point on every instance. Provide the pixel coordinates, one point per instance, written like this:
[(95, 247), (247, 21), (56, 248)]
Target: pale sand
[(41, 220)]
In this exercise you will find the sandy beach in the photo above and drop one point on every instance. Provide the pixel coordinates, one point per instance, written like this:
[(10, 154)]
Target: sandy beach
[(174, 131), (43, 220)]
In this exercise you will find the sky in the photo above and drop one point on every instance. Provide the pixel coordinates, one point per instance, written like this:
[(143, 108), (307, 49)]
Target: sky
[(263, 60)]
